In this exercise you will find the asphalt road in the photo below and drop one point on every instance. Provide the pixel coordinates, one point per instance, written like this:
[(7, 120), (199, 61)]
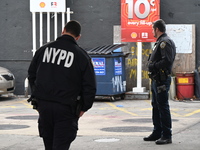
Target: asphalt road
[(119, 125)]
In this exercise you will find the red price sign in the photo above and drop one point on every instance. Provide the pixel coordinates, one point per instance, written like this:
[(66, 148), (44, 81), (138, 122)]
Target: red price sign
[(136, 20)]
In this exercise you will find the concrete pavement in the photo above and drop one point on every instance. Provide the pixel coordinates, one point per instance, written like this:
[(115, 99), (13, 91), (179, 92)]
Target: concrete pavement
[(185, 140), (119, 125)]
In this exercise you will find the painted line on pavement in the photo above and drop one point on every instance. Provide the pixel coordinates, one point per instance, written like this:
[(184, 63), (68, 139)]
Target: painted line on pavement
[(146, 109), (26, 103), (148, 101), (175, 114), (192, 113), (121, 109), (113, 106), (8, 107)]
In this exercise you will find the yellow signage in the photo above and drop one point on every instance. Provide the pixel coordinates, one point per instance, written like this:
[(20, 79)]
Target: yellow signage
[(183, 80)]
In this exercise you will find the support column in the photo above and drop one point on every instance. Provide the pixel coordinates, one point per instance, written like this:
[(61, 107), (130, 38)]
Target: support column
[(139, 87)]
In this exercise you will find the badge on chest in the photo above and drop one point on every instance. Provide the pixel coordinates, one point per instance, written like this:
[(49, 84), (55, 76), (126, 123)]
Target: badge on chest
[(162, 45)]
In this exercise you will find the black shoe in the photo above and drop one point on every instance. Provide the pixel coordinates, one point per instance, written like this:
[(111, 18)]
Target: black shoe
[(163, 140), (151, 138)]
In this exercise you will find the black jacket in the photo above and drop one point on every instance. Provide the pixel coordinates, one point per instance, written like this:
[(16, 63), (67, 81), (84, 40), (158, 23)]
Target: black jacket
[(163, 54), (61, 71)]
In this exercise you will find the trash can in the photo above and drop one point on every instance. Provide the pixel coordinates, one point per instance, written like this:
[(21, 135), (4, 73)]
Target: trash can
[(185, 85), (109, 67)]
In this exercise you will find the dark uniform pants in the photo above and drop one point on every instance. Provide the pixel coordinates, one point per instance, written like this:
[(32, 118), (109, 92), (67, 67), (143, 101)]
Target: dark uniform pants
[(57, 125), (161, 112)]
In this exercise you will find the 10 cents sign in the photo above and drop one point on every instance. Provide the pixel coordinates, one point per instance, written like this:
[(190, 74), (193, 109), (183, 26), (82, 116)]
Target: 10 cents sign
[(136, 20)]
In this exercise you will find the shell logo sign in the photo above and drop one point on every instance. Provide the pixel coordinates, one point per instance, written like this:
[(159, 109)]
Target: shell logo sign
[(48, 5), (42, 4), (136, 20), (134, 35)]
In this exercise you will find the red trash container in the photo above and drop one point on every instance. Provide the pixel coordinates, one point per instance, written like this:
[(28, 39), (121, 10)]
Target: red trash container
[(185, 85)]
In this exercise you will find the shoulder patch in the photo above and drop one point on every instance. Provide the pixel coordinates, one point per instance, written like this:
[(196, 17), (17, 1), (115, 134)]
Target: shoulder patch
[(162, 45)]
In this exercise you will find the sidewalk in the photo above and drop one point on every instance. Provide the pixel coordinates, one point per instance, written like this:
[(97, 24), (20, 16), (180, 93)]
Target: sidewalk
[(119, 125), (187, 139)]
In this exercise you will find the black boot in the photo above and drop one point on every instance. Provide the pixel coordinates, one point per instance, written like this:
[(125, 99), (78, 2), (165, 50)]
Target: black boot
[(151, 137), (164, 140)]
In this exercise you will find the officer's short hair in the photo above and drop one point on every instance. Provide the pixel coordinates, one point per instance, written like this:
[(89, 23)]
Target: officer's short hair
[(73, 27), (160, 24)]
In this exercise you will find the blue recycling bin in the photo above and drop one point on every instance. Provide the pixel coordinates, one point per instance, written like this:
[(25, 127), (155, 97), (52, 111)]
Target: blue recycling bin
[(109, 68)]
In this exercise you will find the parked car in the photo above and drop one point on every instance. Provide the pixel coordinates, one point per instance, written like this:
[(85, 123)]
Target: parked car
[(7, 81)]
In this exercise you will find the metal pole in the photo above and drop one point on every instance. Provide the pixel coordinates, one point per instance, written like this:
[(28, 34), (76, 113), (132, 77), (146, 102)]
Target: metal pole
[(41, 29), (48, 26), (55, 25), (26, 87), (68, 14), (34, 32), (63, 20), (139, 88), (139, 65)]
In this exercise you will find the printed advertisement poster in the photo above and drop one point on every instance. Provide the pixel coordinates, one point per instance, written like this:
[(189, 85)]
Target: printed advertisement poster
[(99, 66), (118, 66), (136, 20)]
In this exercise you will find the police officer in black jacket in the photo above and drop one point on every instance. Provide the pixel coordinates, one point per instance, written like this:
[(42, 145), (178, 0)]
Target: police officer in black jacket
[(160, 67), (61, 75)]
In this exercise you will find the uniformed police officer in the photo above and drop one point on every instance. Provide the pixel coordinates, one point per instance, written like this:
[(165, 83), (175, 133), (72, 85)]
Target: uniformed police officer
[(60, 75), (160, 67)]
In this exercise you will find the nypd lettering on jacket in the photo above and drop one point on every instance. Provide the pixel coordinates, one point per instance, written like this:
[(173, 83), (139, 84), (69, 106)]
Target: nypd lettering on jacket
[(55, 56)]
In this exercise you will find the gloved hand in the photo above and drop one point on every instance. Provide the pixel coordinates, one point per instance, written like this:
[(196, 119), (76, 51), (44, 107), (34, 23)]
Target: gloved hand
[(34, 102), (151, 67)]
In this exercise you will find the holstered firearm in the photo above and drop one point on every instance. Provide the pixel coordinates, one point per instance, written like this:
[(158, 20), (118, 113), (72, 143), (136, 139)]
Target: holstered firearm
[(161, 88)]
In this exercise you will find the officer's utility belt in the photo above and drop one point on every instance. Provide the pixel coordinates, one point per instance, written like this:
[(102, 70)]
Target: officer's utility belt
[(159, 76)]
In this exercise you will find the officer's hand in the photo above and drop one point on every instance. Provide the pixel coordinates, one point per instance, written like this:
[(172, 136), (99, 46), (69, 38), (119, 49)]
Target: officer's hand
[(81, 113), (151, 67)]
